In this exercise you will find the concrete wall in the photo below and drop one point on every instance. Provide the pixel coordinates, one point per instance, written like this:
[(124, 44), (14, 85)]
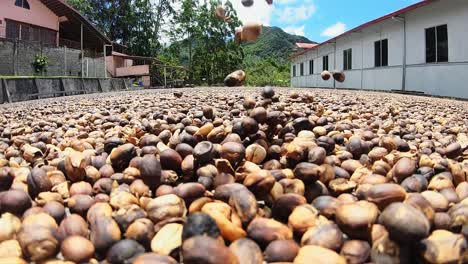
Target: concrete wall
[(22, 89), (38, 15), (442, 79), (16, 58)]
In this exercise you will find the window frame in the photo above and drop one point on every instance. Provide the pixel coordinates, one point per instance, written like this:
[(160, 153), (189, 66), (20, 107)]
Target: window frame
[(381, 62), (311, 67), (347, 59), (301, 69), (34, 33), (294, 70), (437, 44), (23, 4), (325, 60)]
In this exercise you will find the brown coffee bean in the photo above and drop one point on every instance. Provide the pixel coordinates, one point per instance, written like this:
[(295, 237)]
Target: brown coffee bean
[(385, 194), (356, 251), (316, 254), (326, 235), (355, 219), (244, 204), (404, 223), (203, 152), (247, 251), (260, 182), (81, 188), (207, 250), (38, 242), (152, 258), (124, 251), (38, 181), (104, 233), (15, 202), (80, 203), (284, 206), (264, 231), (233, 152), (150, 171), (165, 207), (72, 225), (77, 249), (281, 251), (307, 172), (419, 202), (120, 157), (326, 205), (403, 169), (55, 209), (444, 247), (6, 178), (10, 226)]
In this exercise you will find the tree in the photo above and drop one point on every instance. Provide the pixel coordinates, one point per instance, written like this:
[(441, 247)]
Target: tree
[(134, 23), (204, 42)]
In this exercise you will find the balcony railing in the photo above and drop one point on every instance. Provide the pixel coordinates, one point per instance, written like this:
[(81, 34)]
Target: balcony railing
[(140, 70)]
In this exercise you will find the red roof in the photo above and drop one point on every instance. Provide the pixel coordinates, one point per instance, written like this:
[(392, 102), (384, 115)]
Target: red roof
[(305, 45), (375, 21)]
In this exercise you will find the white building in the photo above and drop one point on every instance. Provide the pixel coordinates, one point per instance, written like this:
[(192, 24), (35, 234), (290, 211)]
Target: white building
[(421, 48)]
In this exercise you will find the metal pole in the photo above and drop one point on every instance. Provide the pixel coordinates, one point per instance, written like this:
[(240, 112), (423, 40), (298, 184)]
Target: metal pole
[(82, 51)]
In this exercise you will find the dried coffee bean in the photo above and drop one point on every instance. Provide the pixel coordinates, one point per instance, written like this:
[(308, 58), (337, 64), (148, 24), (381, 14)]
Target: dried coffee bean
[(77, 249), (204, 249), (124, 252)]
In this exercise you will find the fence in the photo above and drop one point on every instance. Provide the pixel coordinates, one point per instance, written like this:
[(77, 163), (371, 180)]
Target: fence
[(17, 56)]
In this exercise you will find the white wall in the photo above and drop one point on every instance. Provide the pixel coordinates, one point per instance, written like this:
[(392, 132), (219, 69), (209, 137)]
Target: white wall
[(445, 79)]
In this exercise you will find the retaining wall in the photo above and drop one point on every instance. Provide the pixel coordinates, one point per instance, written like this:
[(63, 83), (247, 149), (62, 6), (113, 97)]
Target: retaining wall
[(22, 89), (16, 58)]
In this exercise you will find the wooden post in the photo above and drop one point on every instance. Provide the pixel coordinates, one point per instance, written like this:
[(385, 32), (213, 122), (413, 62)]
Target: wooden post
[(6, 92), (65, 61), (82, 52), (62, 87), (165, 78)]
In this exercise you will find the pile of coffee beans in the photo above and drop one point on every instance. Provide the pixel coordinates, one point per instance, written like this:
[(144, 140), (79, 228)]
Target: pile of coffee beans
[(247, 176)]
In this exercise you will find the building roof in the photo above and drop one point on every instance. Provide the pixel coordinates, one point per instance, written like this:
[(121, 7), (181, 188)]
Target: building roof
[(305, 45), (71, 27), (372, 22)]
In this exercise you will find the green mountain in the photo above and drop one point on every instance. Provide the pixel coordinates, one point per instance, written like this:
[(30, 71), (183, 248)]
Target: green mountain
[(273, 43)]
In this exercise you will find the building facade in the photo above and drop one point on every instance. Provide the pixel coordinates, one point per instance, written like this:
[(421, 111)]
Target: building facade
[(421, 48)]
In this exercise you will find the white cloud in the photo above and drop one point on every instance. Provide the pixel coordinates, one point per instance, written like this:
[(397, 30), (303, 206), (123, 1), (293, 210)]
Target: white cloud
[(260, 12), (335, 30), (295, 14), (295, 30)]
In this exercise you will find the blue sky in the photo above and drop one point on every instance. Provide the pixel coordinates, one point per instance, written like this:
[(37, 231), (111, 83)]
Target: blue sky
[(318, 20)]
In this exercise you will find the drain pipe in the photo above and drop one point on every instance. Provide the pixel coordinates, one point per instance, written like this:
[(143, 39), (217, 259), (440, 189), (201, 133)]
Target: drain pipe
[(403, 81)]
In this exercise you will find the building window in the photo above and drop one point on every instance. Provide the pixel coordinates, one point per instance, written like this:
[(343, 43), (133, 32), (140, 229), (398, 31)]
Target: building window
[(27, 32), (302, 69), (347, 59), (22, 3), (294, 70), (437, 44), (381, 53), (325, 63), (311, 67)]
